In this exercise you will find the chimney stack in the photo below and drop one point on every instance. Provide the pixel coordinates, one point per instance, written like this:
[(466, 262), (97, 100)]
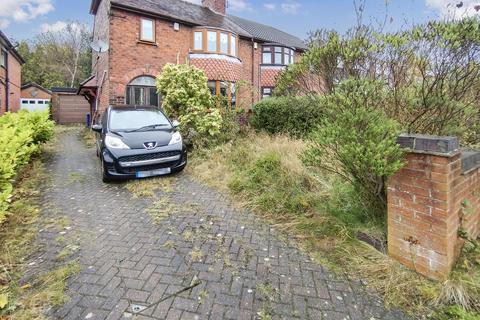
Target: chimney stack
[(218, 6)]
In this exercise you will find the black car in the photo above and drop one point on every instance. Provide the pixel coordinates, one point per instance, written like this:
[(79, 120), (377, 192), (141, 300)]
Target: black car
[(138, 142)]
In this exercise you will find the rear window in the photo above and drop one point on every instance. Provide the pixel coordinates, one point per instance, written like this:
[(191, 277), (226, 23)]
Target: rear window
[(124, 120)]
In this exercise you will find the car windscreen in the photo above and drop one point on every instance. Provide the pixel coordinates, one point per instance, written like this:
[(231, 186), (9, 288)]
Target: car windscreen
[(126, 120)]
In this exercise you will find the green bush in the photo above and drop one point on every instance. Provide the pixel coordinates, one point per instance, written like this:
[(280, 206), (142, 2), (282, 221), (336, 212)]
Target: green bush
[(296, 116), (186, 96), (357, 142), (20, 136)]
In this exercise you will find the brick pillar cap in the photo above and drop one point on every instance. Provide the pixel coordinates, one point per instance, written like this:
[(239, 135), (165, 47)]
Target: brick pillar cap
[(435, 145)]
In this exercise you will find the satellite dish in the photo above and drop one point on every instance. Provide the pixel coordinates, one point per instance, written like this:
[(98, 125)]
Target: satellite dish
[(99, 46)]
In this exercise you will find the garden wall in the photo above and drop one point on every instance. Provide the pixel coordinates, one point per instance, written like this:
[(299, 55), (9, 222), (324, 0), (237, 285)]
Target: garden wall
[(433, 203)]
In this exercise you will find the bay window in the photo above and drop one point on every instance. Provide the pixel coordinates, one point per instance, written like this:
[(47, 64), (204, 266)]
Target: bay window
[(207, 40), (277, 55), (224, 89)]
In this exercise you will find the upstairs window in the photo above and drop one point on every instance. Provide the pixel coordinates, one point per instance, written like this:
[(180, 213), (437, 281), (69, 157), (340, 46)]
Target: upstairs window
[(233, 45), (198, 40), (3, 58), (212, 41), (147, 30), (224, 43), (277, 55)]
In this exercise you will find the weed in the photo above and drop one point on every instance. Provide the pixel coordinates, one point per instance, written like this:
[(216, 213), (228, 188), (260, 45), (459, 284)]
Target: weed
[(202, 295), (148, 187), (28, 301), (196, 255), (169, 244), (89, 137), (323, 214), (161, 210), (75, 177)]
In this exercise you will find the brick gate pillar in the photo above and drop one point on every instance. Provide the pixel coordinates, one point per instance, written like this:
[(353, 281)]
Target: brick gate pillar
[(423, 220)]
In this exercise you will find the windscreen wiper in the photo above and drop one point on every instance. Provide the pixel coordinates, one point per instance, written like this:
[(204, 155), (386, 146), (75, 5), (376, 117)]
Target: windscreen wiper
[(152, 126)]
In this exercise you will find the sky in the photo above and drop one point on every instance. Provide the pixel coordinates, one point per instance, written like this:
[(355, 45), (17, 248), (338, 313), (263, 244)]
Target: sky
[(23, 19)]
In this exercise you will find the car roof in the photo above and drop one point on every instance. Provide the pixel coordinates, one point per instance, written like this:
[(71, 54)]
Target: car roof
[(134, 107)]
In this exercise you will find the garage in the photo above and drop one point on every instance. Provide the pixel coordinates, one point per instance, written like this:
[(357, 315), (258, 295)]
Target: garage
[(35, 97)]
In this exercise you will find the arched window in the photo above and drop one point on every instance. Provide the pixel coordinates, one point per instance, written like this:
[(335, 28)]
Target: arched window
[(142, 91)]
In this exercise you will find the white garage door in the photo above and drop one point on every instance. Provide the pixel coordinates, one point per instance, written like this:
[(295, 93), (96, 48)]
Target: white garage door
[(35, 104)]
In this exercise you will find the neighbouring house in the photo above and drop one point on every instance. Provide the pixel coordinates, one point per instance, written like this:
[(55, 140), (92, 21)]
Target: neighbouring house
[(136, 38), (10, 76), (35, 97), (68, 107)]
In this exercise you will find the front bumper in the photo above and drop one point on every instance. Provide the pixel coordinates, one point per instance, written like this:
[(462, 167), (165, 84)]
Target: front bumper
[(124, 164)]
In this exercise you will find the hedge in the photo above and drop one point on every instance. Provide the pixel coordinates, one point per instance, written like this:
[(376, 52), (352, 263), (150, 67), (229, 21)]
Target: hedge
[(21, 135), (296, 116)]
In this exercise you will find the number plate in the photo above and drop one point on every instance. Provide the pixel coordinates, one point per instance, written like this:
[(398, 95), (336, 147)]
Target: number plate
[(152, 173)]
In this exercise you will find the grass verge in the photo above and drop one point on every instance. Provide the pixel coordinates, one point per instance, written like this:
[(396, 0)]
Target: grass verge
[(17, 234), (264, 174)]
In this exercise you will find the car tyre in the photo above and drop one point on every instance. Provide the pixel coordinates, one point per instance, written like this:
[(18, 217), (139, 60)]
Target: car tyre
[(105, 177)]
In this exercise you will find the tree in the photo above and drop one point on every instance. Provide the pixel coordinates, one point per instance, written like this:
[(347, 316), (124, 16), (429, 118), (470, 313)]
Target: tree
[(58, 57), (431, 72)]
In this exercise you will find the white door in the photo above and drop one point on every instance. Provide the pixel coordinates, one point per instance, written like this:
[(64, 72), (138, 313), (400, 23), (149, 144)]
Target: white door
[(35, 104)]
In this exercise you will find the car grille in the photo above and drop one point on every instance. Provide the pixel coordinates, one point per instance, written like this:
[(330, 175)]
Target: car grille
[(149, 156)]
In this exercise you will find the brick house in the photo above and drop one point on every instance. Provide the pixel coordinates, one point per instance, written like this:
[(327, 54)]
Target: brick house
[(35, 97), (241, 58), (10, 76)]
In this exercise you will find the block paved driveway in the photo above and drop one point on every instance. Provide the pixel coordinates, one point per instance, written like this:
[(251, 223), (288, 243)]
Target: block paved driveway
[(134, 268)]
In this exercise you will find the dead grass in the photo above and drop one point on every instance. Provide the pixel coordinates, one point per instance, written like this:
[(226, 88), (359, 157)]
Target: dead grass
[(17, 234), (89, 137), (148, 187), (321, 219)]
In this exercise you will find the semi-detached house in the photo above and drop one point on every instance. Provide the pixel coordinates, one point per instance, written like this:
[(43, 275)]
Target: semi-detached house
[(141, 36)]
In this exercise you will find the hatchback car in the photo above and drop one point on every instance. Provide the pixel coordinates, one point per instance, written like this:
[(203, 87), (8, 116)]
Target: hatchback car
[(138, 142)]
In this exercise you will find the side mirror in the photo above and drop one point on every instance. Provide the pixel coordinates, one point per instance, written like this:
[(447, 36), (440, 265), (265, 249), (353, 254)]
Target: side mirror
[(97, 128), (175, 123)]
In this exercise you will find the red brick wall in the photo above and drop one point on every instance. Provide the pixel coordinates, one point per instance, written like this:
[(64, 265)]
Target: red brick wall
[(216, 5), (14, 75), (101, 60), (429, 201), (129, 58), (34, 93)]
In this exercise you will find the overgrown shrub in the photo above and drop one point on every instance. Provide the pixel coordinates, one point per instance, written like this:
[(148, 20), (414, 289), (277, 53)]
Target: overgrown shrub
[(296, 116), (357, 142), (186, 96), (20, 136)]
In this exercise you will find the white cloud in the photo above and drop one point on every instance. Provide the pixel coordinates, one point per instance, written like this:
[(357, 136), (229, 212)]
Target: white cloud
[(270, 6), (23, 10), (290, 7), (4, 23), (53, 27), (239, 5), (454, 9)]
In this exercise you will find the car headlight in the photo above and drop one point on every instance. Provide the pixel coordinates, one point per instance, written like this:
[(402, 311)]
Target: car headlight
[(115, 143), (176, 138)]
